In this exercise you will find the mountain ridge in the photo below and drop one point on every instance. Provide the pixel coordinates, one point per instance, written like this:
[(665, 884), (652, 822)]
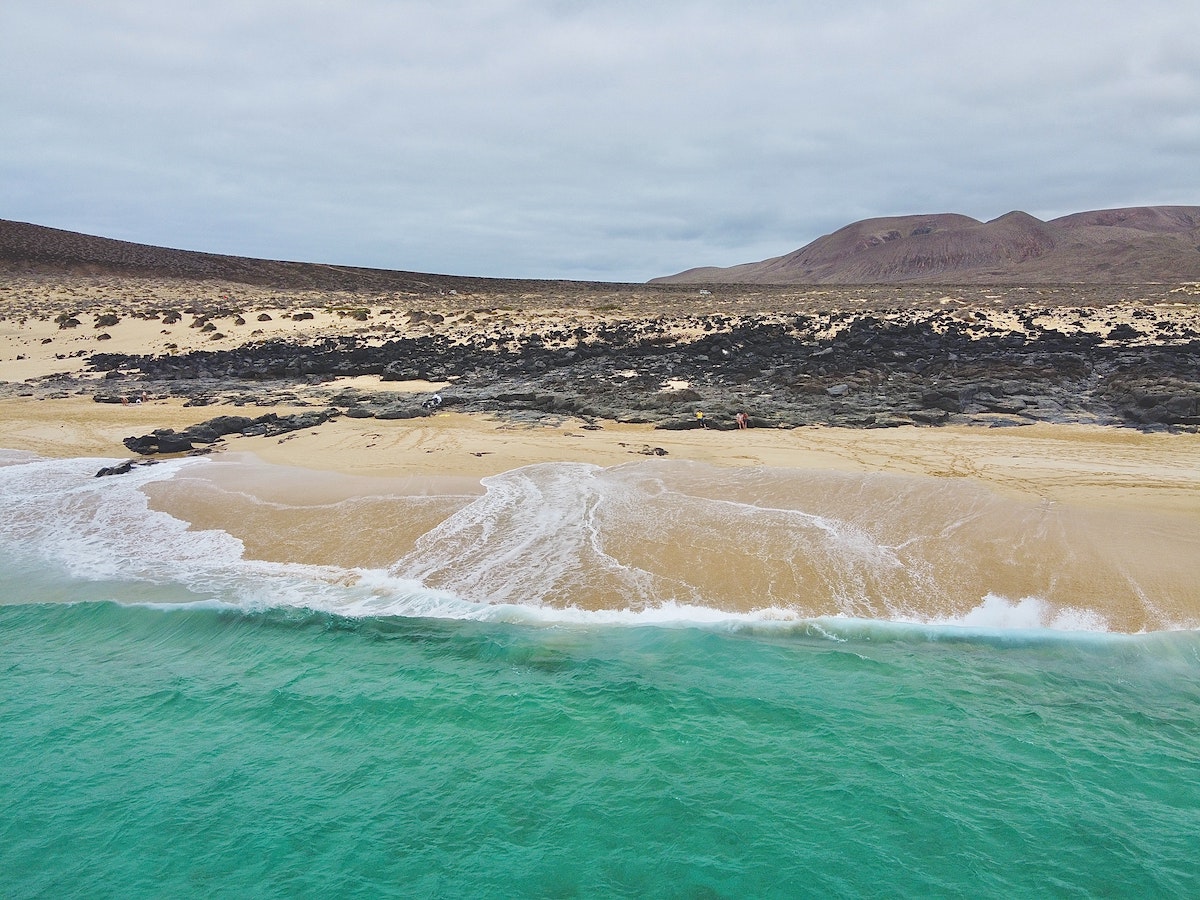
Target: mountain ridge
[(1126, 245)]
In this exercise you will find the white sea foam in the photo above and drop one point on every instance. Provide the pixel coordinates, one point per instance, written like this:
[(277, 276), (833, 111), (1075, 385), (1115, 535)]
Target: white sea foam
[(101, 528), (547, 533), (531, 538), (1028, 613), (16, 457)]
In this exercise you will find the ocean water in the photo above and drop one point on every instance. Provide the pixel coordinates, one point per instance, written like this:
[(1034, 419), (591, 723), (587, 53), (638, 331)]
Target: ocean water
[(221, 679)]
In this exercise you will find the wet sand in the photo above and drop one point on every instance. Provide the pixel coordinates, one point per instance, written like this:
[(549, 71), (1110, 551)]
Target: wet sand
[(837, 537), (1101, 524)]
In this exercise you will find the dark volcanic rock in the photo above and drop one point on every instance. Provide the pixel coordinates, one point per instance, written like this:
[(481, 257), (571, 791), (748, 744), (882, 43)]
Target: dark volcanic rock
[(161, 440), (119, 469), (856, 370), (147, 443), (166, 440), (412, 410), (223, 425)]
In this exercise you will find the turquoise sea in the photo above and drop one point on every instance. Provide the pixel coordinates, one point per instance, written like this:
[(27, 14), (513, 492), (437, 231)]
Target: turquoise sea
[(180, 717)]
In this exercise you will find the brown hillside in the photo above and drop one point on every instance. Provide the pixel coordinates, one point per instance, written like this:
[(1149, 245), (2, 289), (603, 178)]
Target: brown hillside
[(35, 249), (1119, 245)]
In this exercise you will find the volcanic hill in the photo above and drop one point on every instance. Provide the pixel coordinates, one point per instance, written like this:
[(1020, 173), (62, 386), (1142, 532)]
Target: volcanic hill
[(1135, 245), (28, 249)]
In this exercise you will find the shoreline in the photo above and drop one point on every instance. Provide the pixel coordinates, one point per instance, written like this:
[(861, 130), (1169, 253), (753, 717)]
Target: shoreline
[(1093, 466), (1049, 525)]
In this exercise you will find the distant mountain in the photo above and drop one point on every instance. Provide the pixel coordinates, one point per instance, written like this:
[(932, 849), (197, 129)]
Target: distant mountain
[(1140, 244), (28, 249)]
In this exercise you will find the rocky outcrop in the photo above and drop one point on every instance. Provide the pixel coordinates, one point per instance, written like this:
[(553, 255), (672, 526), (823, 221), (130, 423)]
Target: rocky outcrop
[(167, 440), (867, 370)]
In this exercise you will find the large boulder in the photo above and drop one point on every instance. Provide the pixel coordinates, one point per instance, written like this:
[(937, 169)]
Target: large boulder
[(223, 425), (119, 469), (409, 410), (171, 442), (161, 440)]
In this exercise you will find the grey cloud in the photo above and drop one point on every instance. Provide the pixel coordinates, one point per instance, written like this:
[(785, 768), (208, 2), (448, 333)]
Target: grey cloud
[(582, 139)]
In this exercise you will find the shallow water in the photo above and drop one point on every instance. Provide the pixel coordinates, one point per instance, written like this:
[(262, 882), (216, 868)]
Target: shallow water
[(660, 679)]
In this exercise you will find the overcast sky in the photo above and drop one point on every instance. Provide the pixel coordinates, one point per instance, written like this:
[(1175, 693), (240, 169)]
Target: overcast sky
[(614, 140)]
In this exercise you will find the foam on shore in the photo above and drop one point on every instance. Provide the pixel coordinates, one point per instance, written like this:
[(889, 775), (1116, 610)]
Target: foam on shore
[(646, 543)]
